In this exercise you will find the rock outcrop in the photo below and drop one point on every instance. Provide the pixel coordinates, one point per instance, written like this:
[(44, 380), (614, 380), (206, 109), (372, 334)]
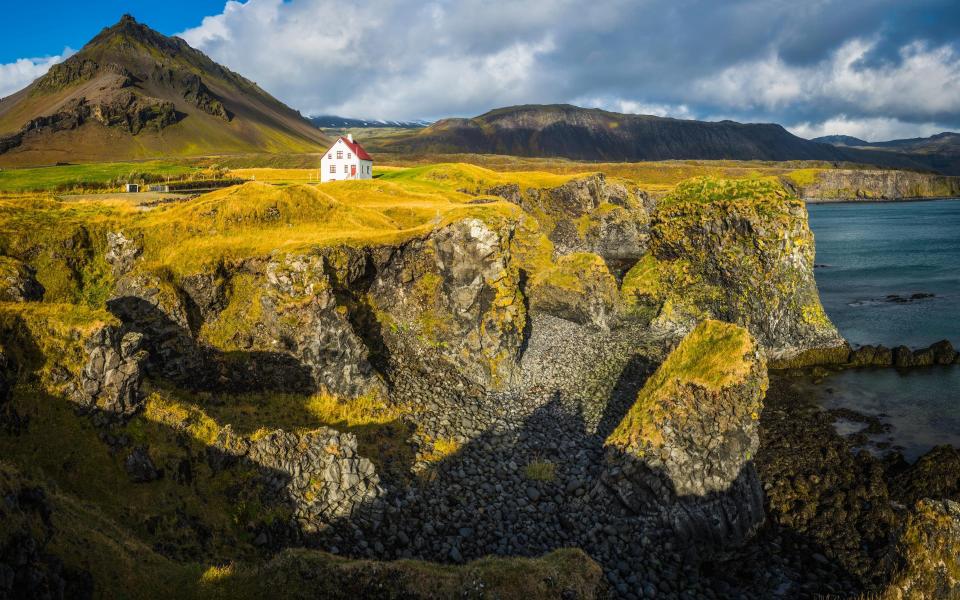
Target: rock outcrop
[(454, 297), (683, 452), (929, 549), (320, 475), (740, 251), (18, 282), (110, 380)]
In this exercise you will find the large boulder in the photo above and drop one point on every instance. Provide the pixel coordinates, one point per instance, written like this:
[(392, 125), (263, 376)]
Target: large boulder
[(579, 288), (740, 251), (683, 452)]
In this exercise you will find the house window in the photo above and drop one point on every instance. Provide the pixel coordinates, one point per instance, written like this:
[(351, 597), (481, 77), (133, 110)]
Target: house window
[(339, 153), (330, 155), (349, 155), (333, 168)]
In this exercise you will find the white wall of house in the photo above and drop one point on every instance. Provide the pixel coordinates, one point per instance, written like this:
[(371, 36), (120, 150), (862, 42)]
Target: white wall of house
[(340, 163)]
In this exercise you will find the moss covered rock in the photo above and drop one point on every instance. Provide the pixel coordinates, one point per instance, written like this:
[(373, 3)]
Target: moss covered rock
[(740, 251), (578, 288), (684, 450), (929, 549)]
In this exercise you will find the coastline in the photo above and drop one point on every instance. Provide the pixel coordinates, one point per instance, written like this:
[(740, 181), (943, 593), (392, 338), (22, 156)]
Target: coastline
[(878, 200)]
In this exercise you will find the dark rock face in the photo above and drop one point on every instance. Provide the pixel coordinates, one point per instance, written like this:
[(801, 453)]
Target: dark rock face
[(18, 282), (455, 296), (684, 451), (323, 476), (140, 466), (110, 381)]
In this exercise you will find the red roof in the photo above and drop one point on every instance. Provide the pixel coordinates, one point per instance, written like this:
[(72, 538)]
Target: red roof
[(357, 149)]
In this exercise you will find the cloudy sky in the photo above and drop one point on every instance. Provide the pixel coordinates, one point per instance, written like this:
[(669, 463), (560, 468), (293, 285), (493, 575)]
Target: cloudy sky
[(874, 69)]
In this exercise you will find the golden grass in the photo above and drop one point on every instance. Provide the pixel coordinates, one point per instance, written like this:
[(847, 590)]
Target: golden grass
[(256, 219)]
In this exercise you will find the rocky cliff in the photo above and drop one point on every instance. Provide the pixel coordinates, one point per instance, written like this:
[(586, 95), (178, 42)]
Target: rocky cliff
[(826, 185), (740, 251), (443, 364)]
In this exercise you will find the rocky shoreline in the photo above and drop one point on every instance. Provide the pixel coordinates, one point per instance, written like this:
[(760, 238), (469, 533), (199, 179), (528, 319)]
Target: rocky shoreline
[(487, 388)]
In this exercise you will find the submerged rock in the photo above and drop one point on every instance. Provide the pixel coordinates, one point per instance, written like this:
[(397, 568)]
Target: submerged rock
[(684, 451)]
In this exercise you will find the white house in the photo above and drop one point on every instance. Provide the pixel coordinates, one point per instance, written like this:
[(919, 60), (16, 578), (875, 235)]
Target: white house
[(346, 159)]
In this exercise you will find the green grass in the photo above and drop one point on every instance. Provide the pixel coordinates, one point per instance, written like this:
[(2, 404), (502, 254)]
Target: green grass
[(540, 470), (89, 176)]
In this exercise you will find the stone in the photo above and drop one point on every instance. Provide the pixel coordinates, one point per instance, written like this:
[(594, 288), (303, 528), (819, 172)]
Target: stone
[(110, 381)]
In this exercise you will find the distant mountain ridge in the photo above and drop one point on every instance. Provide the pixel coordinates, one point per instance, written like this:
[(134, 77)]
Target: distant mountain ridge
[(940, 152), (840, 140), (563, 130), (335, 122), (132, 92)]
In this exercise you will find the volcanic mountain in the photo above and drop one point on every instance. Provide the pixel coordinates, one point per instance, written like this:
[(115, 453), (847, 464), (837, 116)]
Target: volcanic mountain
[(563, 130), (132, 92)]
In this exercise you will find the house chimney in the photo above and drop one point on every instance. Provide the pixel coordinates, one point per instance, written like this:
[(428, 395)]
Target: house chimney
[(350, 137)]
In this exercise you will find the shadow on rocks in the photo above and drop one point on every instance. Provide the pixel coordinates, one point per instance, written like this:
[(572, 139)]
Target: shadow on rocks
[(176, 355)]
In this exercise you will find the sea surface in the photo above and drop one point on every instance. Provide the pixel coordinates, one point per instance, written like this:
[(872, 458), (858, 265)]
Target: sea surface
[(889, 273)]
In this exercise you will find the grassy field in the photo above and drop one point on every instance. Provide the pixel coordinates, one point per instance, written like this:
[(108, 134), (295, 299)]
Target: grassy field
[(82, 177)]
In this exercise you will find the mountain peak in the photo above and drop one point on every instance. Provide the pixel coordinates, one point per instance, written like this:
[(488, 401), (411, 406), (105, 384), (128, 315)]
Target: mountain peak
[(137, 81)]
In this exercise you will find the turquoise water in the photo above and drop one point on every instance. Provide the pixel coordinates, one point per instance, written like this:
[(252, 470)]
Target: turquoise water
[(872, 259)]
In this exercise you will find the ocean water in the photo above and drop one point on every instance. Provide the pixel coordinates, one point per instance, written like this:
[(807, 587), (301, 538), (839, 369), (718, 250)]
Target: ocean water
[(889, 273), (872, 258)]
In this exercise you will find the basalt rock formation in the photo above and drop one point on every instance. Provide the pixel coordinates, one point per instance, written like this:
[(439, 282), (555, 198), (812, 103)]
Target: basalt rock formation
[(110, 381), (482, 382), (683, 453), (714, 254)]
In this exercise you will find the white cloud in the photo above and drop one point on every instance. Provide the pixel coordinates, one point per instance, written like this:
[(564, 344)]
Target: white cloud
[(634, 107), (17, 75), (750, 61), (876, 129), (923, 84)]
